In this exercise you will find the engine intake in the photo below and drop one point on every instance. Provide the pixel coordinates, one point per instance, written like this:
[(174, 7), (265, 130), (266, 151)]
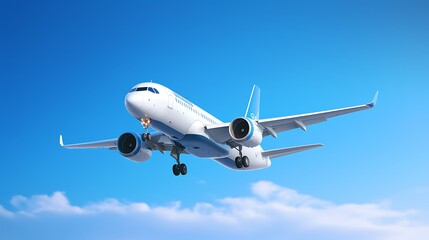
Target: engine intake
[(130, 145), (245, 132)]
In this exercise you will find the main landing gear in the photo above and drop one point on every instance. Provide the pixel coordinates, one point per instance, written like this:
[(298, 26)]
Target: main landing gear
[(242, 161), (179, 168)]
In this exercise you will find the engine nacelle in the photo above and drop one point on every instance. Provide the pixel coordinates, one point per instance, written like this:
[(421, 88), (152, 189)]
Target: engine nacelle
[(245, 132), (131, 146)]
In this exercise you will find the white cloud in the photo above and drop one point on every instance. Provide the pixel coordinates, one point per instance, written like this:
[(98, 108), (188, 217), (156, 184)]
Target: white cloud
[(270, 191), (56, 203), (271, 212), (4, 212), (115, 206)]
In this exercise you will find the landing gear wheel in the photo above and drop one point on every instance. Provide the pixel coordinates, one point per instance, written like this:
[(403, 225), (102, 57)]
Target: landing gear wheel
[(183, 169), (176, 170), (238, 162), (245, 161)]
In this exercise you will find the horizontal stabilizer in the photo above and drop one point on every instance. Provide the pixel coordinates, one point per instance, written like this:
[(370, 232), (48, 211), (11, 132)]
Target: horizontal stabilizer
[(286, 151)]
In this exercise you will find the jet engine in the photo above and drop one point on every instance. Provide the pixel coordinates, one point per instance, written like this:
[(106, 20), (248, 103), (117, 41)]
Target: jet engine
[(131, 146), (245, 132)]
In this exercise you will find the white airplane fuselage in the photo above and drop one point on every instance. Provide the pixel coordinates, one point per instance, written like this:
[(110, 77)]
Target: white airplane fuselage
[(184, 123)]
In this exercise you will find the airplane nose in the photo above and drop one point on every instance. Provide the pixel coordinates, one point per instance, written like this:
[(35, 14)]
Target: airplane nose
[(133, 103)]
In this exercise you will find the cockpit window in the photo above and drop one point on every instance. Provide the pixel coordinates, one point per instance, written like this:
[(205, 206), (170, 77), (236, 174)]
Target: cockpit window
[(140, 89)]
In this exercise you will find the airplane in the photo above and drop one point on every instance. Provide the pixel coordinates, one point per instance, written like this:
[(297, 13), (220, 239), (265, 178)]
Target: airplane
[(184, 128)]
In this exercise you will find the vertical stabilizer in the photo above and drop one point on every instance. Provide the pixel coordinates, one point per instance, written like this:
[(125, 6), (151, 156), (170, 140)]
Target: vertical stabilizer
[(252, 110)]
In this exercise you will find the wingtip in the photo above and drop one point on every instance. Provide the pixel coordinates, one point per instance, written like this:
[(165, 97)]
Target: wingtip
[(61, 141), (374, 101)]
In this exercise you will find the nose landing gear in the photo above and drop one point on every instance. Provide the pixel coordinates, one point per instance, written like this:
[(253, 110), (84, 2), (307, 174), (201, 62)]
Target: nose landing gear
[(178, 168), (145, 121)]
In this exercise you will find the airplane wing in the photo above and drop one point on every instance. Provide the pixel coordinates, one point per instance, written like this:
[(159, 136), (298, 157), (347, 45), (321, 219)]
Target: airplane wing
[(110, 144), (272, 126), (158, 142)]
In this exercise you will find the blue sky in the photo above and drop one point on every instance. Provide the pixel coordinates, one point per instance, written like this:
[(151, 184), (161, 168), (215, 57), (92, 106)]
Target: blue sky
[(66, 67)]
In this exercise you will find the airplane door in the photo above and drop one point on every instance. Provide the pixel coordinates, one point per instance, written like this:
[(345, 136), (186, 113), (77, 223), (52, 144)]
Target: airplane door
[(170, 100)]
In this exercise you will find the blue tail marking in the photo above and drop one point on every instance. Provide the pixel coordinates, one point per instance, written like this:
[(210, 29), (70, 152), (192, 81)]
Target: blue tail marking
[(252, 110)]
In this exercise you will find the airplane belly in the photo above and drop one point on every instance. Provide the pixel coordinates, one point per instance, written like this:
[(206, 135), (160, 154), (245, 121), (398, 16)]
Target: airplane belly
[(202, 146), (168, 130)]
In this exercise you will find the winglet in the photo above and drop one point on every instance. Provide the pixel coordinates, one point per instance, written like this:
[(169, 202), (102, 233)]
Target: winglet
[(374, 101), (61, 141)]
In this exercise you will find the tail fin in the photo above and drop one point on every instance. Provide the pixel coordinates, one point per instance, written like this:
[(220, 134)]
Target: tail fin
[(252, 110)]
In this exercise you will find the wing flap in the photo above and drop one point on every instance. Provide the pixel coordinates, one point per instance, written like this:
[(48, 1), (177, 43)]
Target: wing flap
[(289, 150), (289, 125)]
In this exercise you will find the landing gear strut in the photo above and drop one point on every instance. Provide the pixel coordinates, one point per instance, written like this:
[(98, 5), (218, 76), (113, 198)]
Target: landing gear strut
[(179, 168), (145, 121), (241, 161)]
